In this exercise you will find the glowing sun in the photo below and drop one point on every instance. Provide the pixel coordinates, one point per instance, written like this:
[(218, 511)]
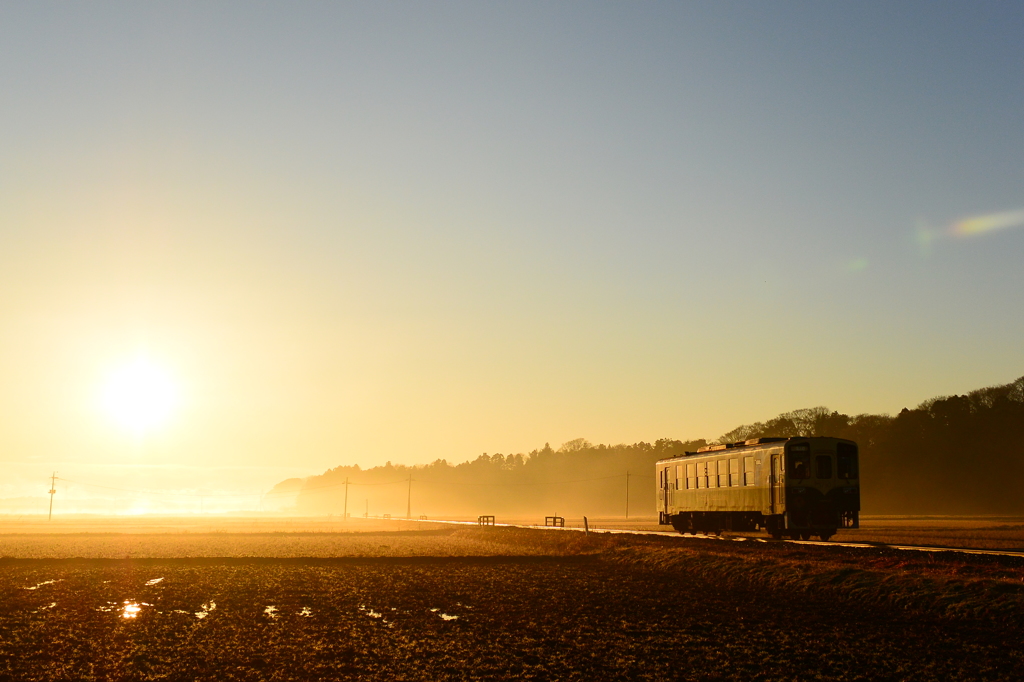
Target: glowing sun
[(140, 396)]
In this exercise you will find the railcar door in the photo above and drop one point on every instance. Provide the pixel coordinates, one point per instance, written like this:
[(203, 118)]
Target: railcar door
[(665, 498), (775, 484)]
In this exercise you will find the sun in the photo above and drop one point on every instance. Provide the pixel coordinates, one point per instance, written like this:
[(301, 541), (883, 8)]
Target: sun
[(140, 396)]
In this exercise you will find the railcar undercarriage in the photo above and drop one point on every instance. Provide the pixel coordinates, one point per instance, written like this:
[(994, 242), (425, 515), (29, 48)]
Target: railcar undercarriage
[(799, 527)]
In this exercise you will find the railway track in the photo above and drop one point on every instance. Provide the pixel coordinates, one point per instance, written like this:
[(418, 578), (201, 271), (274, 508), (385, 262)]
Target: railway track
[(746, 538)]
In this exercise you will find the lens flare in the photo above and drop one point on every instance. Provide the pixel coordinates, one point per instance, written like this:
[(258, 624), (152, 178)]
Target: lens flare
[(857, 264), (987, 223)]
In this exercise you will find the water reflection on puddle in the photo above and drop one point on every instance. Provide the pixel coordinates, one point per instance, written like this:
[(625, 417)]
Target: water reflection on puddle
[(376, 614), (445, 616), (128, 608), (154, 581), (205, 609), (306, 611), (38, 585), (271, 611)]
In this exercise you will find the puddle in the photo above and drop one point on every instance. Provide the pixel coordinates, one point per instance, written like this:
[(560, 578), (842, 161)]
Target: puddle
[(306, 611), (38, 585), (445, 616), (207, 608), (45, 608), (271, 611), (376, 614), (129, 609), (154, 581)]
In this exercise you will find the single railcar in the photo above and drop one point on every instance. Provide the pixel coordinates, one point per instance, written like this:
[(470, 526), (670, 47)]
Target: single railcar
[(791, 487)]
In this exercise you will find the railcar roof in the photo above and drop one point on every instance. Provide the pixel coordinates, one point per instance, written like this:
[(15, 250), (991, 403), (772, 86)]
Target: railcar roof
[(729, 447)]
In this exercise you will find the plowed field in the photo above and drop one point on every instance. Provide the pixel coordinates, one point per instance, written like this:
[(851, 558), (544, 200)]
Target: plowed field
[(564, 610)]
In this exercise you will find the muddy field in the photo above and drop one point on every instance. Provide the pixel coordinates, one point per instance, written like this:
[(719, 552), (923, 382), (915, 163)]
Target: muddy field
[(536, 605)]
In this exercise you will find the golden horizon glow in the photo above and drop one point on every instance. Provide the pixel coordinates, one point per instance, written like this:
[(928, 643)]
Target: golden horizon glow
[(140, 396)]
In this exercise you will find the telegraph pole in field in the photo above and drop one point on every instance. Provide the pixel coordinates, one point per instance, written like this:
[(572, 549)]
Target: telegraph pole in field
[(627, 494), (344, 515), (53, 491), (408, 504)]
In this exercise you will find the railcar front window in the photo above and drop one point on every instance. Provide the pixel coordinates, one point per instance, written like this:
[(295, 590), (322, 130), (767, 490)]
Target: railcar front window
[(824, 466), (800, 465), (846, 461)]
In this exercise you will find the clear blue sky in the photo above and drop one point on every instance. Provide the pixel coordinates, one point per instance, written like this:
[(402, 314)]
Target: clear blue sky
[(369, 232)]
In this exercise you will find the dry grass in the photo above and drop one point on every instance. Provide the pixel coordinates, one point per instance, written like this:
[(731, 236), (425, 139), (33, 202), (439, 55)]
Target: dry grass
[(1006, 533)]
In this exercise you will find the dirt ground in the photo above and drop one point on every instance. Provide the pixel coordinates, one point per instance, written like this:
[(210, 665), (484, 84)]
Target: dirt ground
[(510, 604)]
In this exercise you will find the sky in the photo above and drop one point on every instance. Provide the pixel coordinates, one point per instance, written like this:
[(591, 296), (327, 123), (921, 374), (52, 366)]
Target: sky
[(352, 233)]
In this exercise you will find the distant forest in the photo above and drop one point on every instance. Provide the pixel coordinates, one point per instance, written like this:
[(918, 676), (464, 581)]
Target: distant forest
[(949, 455)]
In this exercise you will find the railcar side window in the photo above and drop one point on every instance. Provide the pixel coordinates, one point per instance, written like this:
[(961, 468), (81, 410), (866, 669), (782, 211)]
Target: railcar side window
[(846, 460), (723, 473), (709, 471), (824, 465), (800, 464), (691, 476), (702, 475), (679, 476), (748, 471), (734, 472)]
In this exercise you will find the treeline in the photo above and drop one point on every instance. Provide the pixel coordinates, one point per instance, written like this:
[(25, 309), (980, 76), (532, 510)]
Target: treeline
[(961, 454), (950, 455)]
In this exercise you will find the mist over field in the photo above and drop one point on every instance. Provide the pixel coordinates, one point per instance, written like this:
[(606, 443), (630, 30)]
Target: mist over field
[(949, 455)]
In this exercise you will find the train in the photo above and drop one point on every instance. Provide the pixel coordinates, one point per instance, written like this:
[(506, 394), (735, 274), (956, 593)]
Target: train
[(791, 487)]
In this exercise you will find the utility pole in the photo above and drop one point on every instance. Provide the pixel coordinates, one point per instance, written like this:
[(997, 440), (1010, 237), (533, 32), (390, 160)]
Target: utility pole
[(627, 494), (408, 504), (344, 515), (53, 491)]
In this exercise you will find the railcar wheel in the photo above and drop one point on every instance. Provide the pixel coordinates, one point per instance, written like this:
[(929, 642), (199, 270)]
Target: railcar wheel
[(805, 536), (776, 534), (824, 537)]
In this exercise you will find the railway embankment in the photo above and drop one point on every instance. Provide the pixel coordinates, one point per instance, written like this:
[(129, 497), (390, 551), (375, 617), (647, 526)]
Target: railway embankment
[(944, 584)]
